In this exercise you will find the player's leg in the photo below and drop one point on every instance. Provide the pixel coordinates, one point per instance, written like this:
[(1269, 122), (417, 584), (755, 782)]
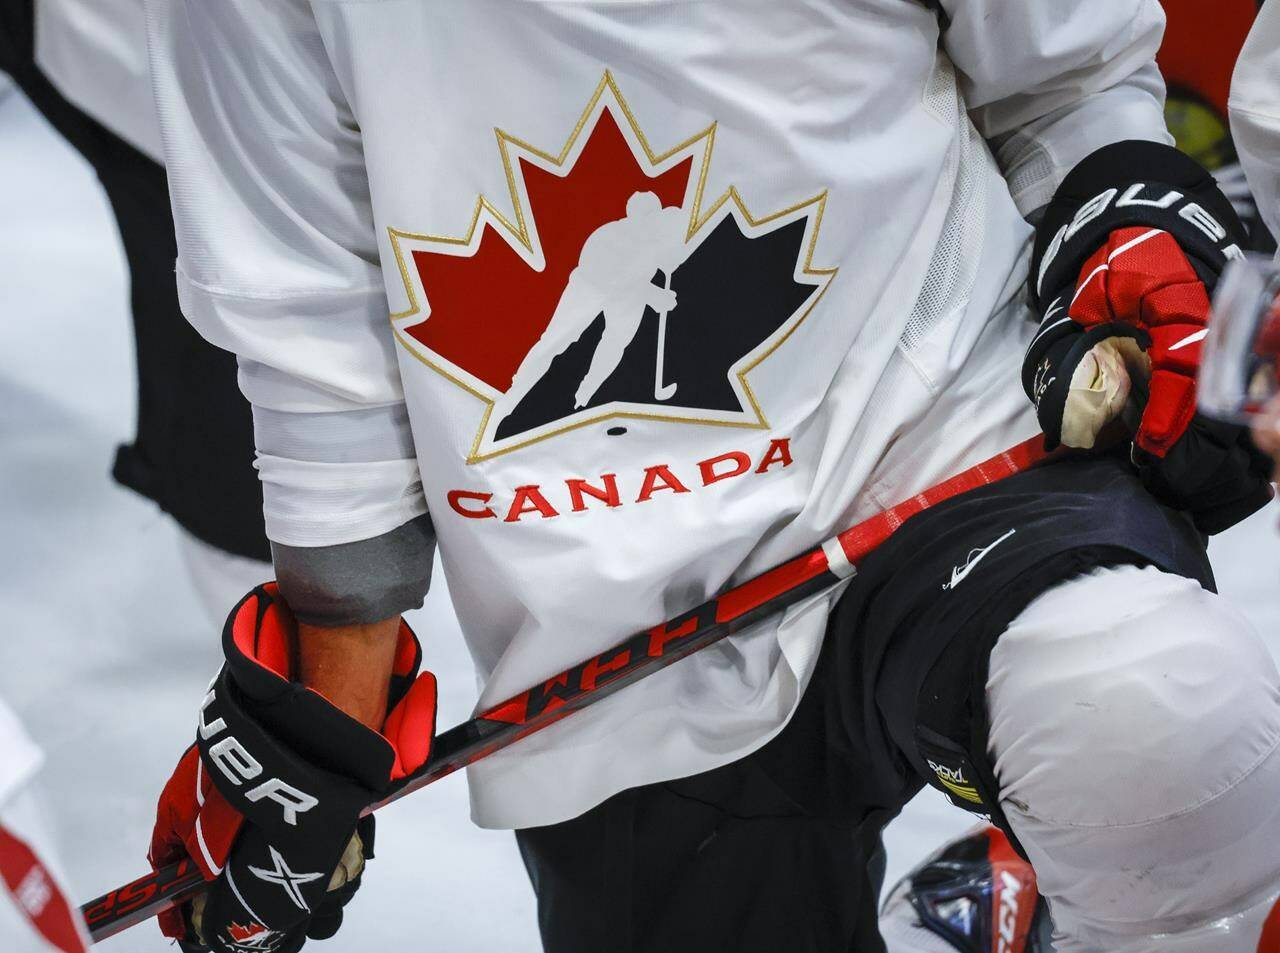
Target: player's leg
[(1133, 715), (1134, 726), (777, 851), (17, 36), (193, 451), (1135, 731), (716, 862), (535, 365), (578, 306), (620, 326)]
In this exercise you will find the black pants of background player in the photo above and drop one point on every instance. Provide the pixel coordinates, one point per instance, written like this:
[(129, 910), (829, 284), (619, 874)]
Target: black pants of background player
[(193, 453), (780, 851)]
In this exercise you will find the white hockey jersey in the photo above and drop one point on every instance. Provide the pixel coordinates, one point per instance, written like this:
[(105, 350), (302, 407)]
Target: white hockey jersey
[(1255, 113), (675, 291), (39, 917), (95, 53), (20, 758)]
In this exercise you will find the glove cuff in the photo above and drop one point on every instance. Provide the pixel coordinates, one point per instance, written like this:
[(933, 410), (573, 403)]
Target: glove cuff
[(258, 641), (1051, 362)]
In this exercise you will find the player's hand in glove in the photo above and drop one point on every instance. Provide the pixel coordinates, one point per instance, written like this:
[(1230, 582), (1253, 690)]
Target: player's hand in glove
[(267, 802), (1128, 254)]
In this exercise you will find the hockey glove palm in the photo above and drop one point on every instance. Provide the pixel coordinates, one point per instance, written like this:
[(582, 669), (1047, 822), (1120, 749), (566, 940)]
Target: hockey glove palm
[(1123, 285), (267, 802)]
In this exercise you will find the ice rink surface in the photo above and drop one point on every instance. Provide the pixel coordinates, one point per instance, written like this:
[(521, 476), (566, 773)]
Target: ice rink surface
[(106, 649)]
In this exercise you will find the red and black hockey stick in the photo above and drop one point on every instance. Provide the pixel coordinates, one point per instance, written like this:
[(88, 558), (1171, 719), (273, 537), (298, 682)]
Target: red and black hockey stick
[(641, 655)]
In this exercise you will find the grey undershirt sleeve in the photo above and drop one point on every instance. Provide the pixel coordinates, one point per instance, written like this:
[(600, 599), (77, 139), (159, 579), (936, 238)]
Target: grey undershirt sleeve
[(334, 584), (359, 582)]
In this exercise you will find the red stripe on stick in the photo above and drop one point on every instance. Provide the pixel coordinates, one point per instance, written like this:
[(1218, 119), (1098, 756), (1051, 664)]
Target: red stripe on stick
[(756, 592), (858, 541)]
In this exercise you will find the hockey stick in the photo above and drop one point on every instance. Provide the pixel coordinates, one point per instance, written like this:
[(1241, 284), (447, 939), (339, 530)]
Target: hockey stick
[(639, 656), (663, 391)]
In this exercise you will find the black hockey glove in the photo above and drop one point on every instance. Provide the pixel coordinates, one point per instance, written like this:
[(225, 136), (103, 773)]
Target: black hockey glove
[(267, 802), (1126, 259)]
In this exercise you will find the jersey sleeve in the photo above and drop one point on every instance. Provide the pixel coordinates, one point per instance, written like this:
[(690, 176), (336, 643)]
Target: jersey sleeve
[(1255, 113), (278, 262), (1049, 82)]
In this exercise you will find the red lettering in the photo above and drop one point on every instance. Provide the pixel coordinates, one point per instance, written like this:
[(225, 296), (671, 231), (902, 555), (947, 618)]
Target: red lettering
[(659, 636), (652, 486), (513, 711), (592, 671), (457, 496), (779, 452), (529, 499), (580, 488), (101, 909), (549, 698), (185, 868), (741, 464), (136, 893)]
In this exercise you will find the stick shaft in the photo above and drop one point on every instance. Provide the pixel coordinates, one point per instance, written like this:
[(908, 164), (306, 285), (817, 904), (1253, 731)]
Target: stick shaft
[(639, 656), (659, 386)]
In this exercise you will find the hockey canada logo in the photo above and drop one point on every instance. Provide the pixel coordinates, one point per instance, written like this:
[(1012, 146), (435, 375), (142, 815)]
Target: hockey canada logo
[(254, 938), (614, 288)]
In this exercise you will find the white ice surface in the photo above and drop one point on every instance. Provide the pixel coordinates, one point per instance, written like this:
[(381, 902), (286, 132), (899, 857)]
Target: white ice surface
[(105, 650)]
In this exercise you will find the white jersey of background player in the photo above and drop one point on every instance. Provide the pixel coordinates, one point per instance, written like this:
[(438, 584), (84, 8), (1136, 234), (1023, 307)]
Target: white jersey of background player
[(95, 52), (1255, 112), (331, 162), (36, 914), (1255, 127)]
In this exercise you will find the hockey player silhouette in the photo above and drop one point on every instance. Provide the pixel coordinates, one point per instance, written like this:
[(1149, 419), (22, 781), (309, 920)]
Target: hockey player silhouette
[(614, 277)]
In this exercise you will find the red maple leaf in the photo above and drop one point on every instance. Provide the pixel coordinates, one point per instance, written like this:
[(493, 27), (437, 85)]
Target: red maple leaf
[(490, 308), (240, 934)]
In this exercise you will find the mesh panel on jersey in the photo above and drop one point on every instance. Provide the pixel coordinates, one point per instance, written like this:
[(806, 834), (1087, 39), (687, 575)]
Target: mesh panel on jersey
[(1032, 169), (954, 266), (941, 95)]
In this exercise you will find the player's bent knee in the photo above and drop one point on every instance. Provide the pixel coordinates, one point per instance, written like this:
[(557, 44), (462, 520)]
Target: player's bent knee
[(1135, 734), (1128, 696)]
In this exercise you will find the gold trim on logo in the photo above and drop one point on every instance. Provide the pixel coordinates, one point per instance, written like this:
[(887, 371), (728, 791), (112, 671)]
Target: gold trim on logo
[(520, 232)]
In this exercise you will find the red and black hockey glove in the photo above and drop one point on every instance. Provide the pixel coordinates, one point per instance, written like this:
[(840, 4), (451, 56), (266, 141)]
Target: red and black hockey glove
[(1127, 256), (268, 800)]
